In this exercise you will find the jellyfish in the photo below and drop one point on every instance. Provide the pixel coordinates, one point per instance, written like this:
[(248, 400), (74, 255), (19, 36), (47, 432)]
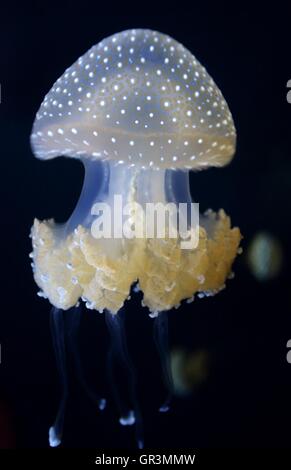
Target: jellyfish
[(140, 112)]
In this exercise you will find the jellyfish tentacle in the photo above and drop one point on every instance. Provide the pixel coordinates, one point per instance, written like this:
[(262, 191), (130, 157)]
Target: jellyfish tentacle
[(58, 336), (75, 318), (119, 352), (161, 338), (114, 356), (122, 410)]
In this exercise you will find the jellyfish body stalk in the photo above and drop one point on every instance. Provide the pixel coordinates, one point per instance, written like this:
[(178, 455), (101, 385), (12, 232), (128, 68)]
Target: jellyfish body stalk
[(58, 336), (118, 185), (161, 338), (73, 331), (118, 353)]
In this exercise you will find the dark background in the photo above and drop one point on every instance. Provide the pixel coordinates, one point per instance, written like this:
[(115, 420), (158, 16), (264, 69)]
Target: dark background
[(245, 401)]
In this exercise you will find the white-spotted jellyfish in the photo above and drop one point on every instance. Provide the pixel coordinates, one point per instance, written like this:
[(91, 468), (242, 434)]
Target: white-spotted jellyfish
[(140, 112)]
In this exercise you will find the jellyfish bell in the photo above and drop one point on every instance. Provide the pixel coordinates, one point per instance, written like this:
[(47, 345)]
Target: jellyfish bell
[(127, 97), (140, 112)]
